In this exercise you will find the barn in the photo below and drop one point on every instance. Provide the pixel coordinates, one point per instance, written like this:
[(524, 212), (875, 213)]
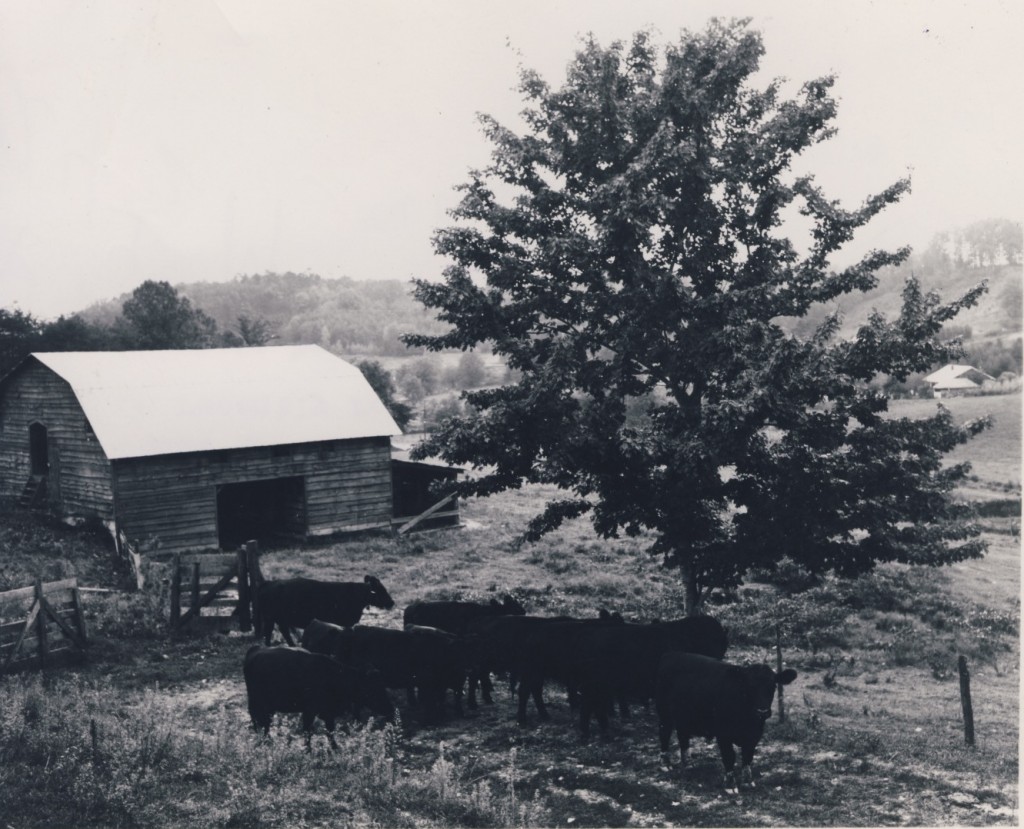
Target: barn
[(198, 450), (958, 381)]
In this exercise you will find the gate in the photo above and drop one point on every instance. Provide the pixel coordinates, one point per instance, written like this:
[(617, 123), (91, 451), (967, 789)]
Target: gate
[(42, 625), (212, 588)]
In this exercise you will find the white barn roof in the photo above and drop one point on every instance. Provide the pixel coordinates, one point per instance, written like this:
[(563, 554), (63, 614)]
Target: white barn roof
[(144, 403), (957, 377)]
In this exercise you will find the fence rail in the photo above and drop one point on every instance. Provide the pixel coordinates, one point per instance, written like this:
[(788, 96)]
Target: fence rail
[(41, 625)]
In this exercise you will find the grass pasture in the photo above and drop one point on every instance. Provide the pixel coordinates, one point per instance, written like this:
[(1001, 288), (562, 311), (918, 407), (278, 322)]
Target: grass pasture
[(154, 732)]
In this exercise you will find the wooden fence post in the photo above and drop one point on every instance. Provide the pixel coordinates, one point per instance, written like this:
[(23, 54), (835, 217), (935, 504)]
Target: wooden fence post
[(76, 599), (244, 600), (965, 700), (44, 644), (175, 590), (252, 567), (194, 607), (778, 664)]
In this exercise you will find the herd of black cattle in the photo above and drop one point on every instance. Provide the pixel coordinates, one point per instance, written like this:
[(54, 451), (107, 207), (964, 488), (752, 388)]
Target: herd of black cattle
[(342, 667)]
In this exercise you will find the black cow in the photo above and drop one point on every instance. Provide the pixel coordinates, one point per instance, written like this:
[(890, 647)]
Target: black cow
[(293, 680), (701, 697), (424, 659), (455, 616), (606, 661), (506, 644), (294, 603)]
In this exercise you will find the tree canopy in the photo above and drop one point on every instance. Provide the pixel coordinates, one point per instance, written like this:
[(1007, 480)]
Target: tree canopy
[(629, 255), (157, 317)]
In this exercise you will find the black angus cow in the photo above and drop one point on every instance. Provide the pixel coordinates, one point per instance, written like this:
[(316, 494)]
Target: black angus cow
[(294, 603), (422, 659), (606, 662), (500, 640), (455, 616), (294, 681), (701, 697)]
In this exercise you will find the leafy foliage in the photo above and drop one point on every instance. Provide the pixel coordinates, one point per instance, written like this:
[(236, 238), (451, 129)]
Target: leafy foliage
[(629, 244), (380, 380), (156, 317)]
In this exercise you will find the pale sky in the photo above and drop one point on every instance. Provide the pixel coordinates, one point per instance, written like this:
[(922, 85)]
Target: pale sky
[(199, 140)]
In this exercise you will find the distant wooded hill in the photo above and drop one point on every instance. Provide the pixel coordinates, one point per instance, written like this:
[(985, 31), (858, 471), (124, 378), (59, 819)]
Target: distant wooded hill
[(343, 315), (366, 318)]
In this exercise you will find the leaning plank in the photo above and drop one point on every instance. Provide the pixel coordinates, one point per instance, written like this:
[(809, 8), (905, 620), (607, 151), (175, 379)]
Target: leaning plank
[(425, 514), (209, 597)]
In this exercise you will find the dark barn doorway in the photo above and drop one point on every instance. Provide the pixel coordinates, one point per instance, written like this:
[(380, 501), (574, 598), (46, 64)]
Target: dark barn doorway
[(38, 449), (265, 511)]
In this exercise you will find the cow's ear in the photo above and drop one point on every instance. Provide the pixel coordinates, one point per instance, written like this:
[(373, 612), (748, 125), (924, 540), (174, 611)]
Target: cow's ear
[(368, 579), (786, 676)]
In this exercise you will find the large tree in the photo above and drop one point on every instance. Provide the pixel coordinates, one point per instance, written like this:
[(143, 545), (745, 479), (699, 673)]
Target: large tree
[(632, 243)]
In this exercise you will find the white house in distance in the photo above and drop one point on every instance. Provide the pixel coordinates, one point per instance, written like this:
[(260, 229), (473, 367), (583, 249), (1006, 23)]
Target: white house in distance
[(957, 381)]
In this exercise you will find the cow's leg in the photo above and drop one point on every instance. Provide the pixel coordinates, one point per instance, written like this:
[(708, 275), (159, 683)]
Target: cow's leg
[(747, 768), (486, 687), (307, 728), (260, 720), (471, 683), (537, 692), (457, 700), (286, 633), (329, 722), (684, 745), (410, 695), (729, 761)]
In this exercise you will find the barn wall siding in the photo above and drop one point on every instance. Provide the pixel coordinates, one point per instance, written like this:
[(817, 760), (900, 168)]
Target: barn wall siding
[(172, 499), (80, 481)]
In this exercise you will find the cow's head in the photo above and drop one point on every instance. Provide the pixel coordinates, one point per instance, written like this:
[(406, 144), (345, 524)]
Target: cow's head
[(378, 597), (761, 684)]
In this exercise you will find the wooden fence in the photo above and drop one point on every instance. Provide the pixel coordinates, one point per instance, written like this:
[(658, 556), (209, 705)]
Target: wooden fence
[(42, 625), (211, 588)]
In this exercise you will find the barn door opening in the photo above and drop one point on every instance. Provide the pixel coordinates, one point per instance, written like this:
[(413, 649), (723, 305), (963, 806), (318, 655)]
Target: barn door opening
[(38, 449), (266, 511)]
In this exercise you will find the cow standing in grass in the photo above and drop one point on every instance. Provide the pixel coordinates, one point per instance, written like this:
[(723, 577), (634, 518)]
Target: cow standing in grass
[(294, 603), (295, 681), (701, 697)]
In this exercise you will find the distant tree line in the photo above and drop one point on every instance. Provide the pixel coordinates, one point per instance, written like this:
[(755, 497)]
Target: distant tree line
[(343, 315), (154, 317)]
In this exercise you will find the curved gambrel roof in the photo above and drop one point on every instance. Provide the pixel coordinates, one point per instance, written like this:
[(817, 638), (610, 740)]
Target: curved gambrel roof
[(145, 403)]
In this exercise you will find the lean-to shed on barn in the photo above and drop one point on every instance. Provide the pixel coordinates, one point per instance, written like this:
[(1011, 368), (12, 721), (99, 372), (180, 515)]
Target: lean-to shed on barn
[(194, 450)]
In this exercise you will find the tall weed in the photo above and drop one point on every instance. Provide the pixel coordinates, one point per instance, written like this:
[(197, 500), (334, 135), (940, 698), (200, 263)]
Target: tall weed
[(75, 752)]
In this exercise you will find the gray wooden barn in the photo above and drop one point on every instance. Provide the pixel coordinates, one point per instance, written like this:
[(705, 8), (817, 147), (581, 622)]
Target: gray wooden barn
[(195, 450)]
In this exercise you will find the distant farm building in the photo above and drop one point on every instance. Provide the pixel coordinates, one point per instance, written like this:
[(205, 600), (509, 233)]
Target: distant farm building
[(958, 381), (203, 449)]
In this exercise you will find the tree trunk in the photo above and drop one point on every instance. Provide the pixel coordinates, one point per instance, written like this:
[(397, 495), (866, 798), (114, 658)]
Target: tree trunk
[(691, 598)]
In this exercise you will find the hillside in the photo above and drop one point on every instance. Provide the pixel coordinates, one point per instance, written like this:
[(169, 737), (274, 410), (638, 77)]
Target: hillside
[(343, 315), (367, 317)]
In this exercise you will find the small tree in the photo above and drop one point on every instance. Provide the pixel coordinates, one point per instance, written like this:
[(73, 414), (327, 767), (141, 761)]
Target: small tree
[(380, 380), (156, 317), (630, 243), (470, 373)]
